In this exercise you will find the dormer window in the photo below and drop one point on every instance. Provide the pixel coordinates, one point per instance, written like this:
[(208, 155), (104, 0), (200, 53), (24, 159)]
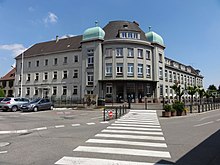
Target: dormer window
[(129, 35)]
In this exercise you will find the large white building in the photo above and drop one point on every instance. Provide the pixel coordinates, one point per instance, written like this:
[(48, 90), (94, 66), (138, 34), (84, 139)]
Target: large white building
[(116, 62)]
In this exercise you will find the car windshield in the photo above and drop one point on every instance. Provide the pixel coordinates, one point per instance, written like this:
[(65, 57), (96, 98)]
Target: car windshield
[(6, 99), (35, 101)]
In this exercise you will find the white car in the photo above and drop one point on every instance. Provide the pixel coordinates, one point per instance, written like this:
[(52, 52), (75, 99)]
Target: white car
[(12, 104)]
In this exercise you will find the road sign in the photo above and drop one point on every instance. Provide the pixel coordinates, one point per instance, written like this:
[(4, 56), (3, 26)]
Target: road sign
[(110, 114)]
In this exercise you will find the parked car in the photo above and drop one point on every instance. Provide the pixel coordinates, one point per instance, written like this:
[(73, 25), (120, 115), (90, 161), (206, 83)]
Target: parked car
[(38, 104), (1, 98), (12, 104)]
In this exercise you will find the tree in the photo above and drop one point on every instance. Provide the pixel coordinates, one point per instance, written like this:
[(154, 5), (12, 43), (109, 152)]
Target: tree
[(212, 87), (191, 90), (201, 93), (2, 93), (177, 88)]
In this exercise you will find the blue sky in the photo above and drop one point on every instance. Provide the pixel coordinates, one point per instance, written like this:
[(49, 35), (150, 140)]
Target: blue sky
[(190, 28)]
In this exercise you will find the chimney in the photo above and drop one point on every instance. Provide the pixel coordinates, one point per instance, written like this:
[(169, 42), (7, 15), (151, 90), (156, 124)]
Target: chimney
[(57, 39)]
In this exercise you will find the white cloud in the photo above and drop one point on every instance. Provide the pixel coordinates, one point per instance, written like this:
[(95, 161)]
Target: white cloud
[(67, 36), (31, 9), (51, 18), (16, 49)]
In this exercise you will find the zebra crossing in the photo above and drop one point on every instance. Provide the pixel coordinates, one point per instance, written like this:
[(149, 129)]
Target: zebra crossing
[(134, 139)]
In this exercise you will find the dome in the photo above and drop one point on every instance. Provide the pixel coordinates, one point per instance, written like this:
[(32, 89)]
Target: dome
[(154, 37), (93, 33)]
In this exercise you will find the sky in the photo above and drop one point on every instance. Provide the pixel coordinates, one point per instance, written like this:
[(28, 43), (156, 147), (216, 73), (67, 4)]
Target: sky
[(190, 28)]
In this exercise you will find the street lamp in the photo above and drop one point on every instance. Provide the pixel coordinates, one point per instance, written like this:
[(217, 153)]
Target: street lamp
[(22, 72)]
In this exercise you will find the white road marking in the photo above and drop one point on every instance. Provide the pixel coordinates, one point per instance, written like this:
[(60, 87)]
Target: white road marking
[(90, 123), (75, 125), (218, 120), (209, 117), (204, 124), (122, 142), (135, 128), (123, 151), (132, 132), (133, 125), (136, 122), (6, 132), (104, 122), (21, 131), (94, 161), (59, 126), (3, 152), (40, 128), (130, 136)]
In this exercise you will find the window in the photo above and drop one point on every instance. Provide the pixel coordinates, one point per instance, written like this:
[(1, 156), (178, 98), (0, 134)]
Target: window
[(46, 62), (64, 60), (174, 76), (65, 74), (108, 88), (160, 73), (147, 55), (108, 52), (36, 91), (148, 70), (76, 59), (170, 76), (75, 73), (90, 53), (140, 53), (89, 92), (182, 79), (166, 90), (28, 91), (20, 78), (108, 69), (45, 76), (64, 90), (160, 57), (90, 78), (28, 77), (166, 75), (19, 91), (129, 35), (130, 69), (140, 70), (161, 90), (55, 75), (54, 90), (119, 69), (36, 76), (123, 35), (119, 52), (29, 64), (37, 63), (55, 62), (75, 90), (130, 52)]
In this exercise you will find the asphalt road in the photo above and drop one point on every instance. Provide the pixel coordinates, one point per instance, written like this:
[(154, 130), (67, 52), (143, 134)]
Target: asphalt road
[(76, 136)]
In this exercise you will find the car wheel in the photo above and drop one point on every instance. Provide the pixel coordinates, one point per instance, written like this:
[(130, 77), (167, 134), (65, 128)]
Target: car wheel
[(14, 108), (51, 107), (35, 109)]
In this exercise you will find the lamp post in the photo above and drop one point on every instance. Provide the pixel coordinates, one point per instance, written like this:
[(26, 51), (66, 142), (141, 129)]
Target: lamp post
[(22, 72)]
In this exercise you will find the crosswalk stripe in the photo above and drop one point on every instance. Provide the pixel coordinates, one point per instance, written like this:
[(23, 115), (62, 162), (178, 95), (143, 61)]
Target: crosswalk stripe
[(135, 128), (94, 161), (124, 151), (135, 125), (144, 111), (132, 132), (138, 120), (135, 122), (133, 143), (130, 136)]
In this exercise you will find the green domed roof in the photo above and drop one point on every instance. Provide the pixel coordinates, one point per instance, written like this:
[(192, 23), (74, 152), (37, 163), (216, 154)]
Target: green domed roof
[(93, 33), (154, 37)]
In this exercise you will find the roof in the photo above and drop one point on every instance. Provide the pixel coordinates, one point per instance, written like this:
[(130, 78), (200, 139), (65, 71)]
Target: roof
[(93, 33), (154, 37), (58, 45), (113, 28), (9, 76)]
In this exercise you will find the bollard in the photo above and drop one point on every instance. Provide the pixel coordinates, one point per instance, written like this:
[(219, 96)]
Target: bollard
[(120, 111), (198, 108), (104, 114), (116, 115)]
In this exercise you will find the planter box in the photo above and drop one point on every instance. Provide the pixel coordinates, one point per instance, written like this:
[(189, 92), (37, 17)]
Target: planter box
[(181, 113), (166, 114), (173, 113)]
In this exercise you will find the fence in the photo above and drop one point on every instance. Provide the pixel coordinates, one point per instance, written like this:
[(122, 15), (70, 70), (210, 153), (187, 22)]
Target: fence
[(114, 113)]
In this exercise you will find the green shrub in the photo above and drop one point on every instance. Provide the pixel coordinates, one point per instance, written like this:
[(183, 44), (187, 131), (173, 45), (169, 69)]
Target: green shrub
[(2, 94), (167, 107), (178, 106)]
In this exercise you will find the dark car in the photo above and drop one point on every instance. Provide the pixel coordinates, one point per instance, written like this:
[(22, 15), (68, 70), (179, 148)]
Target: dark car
[(38, 104)]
